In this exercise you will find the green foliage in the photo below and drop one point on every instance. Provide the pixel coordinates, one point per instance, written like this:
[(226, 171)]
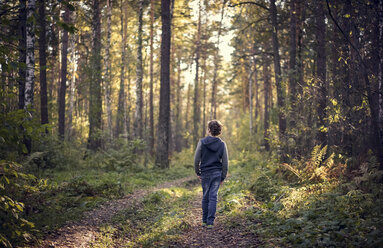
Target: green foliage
[(14, 184), (322, 210), (15, 127)]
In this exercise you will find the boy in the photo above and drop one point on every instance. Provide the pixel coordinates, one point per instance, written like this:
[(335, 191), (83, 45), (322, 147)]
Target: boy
[(211, 164)]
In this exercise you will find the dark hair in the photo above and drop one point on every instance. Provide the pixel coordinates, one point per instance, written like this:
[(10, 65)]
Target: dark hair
[(215, 127)]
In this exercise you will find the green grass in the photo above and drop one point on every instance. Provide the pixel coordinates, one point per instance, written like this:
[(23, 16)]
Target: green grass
[(70, 192), (157, 221)]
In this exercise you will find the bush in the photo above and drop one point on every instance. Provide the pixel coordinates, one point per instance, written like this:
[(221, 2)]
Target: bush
[(13, 185)]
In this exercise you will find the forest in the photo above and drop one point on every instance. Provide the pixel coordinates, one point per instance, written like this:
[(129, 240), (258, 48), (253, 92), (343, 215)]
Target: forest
[(103, 102)]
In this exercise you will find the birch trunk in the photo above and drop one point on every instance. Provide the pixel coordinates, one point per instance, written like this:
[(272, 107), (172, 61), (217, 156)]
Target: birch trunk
[(30, 56)]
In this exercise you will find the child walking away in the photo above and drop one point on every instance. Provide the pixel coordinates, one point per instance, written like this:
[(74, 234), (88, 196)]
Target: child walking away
[(211, 164)]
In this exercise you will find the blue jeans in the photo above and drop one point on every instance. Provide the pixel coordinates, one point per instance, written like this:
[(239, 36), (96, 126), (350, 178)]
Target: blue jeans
[(210, 186)]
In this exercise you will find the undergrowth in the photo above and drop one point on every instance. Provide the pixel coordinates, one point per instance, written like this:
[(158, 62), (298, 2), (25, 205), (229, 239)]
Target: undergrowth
[(310, 203)]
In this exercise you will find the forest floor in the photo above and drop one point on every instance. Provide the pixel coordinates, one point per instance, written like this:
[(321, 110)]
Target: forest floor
[(168, 215)]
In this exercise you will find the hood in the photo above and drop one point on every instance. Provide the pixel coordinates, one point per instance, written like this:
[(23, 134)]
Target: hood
[(212, 143)]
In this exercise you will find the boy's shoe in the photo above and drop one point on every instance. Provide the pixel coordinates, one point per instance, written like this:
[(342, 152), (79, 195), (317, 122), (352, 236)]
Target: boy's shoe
[(204, 224), (210, 226)]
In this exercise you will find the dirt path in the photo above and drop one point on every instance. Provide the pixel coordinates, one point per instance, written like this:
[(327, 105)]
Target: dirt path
[(219, 236), (78, 234)]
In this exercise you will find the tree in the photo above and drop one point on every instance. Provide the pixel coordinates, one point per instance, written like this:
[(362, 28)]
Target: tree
[(278, 75), (30, 56), (43, 64), (196, 105), (139, 75), (95, 103), (162, 157), (321, 73), (22, 51), (213, 108), (121, 123), (64, 69), (151, 115), (108, 75)]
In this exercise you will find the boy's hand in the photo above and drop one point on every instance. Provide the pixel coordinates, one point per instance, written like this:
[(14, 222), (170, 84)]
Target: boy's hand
[(199, 177)]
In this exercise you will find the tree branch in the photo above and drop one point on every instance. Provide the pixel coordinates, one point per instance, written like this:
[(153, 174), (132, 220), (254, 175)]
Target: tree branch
[(255, 3)]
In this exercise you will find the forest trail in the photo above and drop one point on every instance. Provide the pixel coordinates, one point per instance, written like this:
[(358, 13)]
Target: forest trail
[(79, 234), (219, 236), (85, 232)]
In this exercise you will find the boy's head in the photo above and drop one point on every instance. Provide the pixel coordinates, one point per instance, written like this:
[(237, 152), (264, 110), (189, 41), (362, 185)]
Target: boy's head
[(214, 127)]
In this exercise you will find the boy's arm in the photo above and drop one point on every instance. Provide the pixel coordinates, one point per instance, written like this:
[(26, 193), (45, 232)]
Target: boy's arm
[(197, 159), (225, 163)]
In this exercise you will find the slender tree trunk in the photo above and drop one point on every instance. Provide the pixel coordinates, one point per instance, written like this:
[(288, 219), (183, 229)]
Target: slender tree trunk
[(62, 91), (256, 90), (22, 51), (43, 64), (108, 74), (197, 110), (95, 102), (187, 119), (278, 77), (380, 75), (178, 106), (162, 156), (292, 63), (266, 78), (321, 73), (72, 87), (251, 101), (121, 127), (151, 114), (139, 100), (30, 56), (213, 108)]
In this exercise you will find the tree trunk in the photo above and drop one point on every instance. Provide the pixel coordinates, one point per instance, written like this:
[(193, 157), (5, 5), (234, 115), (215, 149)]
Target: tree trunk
[(43, 64), (108, 68), (178, 107), (95, 102), (30, 56), (380, 77), (72, 87), (292, 63), (213, 108), (197, 110), (121, 125), (278, 77), (22, 52), (151, 115), (139, 101), (162, 156), (321, 73), (62, 92), (266, 78), (251, 101)]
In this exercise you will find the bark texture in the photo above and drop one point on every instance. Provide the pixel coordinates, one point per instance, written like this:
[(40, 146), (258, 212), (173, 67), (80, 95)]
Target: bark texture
[(162, 156)]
